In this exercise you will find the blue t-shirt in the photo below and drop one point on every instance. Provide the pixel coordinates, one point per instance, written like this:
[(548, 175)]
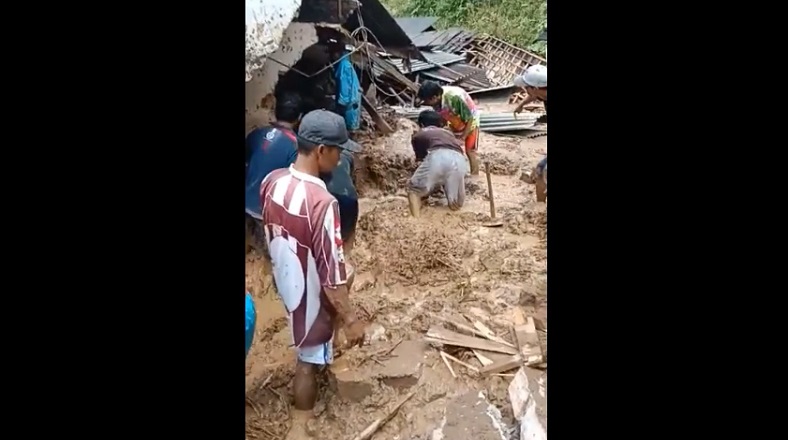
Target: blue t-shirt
[(270, 148), (341, 183), (250, 319)]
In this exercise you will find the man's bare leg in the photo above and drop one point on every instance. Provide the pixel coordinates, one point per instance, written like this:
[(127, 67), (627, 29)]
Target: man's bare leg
[(473, 160), (305, 396), (541, 185), (414, 204), (305, 386)]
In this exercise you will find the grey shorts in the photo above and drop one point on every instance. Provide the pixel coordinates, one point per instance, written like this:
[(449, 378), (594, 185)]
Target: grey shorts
[(442, 167)]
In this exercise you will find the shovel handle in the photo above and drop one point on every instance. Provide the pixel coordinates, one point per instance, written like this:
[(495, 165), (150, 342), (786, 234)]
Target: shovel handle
[(490, 190)]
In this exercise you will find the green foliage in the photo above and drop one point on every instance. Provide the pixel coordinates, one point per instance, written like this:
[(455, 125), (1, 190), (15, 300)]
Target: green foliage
[(515, 21)]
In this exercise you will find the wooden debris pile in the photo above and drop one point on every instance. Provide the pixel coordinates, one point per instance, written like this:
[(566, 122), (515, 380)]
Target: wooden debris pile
[(495, 354), (454, 56)]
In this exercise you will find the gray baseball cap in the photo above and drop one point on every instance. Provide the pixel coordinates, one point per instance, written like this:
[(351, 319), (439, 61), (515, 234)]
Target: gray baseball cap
[(327, 128)]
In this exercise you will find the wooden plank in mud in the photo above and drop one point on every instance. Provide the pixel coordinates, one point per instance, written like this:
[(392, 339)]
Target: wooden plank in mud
[(381, 123), (441, 335)]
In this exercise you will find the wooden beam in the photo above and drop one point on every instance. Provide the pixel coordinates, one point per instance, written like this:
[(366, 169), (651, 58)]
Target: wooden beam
[(381, 123), (393, 71), (511, 363), (440, 335)]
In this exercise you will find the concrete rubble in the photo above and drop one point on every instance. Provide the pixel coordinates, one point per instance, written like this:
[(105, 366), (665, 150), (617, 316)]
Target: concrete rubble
[(528, 395), (471, 416), (400, 371)]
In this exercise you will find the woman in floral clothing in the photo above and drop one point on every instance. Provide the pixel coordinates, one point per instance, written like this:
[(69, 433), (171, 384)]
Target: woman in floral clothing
[(459, 111)]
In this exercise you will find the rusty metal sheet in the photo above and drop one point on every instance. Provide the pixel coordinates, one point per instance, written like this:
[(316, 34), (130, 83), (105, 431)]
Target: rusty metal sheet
[(266, 21)]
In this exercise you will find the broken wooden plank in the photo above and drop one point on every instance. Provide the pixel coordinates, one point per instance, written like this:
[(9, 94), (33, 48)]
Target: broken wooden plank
[(441, 335), (490, 357), (464, 364), (519, 316), (511, 363), (472, 343), (446, 361), (489, 334), (381, 123), (367, 433), (399, 98), (484, 360), (393, 71), (473, 331), (528, 339)]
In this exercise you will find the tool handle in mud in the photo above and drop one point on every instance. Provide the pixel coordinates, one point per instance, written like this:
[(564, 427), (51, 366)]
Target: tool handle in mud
[(490, 190), (367, 433)]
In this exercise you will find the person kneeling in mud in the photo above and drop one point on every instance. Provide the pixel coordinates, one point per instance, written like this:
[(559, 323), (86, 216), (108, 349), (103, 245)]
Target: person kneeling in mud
[(442, 163)]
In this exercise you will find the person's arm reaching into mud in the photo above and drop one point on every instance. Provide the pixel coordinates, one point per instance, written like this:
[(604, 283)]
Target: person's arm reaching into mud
[(525, 102), (419, 147), (327, 248)]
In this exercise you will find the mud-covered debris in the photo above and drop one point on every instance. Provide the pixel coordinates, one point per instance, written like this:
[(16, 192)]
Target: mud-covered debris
[(415, 254), (382, 173), (403, 368), (473, 188), (375, 333), (532, 220), (471, 416), (499, 163)]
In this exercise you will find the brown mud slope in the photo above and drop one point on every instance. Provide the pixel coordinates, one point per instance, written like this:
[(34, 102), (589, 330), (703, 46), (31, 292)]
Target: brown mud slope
[(410, 271)]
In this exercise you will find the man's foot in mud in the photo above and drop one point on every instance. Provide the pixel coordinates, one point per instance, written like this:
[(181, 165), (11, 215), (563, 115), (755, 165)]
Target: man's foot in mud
[(298, 425)]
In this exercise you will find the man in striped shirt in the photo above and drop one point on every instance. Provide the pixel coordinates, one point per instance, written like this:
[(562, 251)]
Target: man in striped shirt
[(304, 240)]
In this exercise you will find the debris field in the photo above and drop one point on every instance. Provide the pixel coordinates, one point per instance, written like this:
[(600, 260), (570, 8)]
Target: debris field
[(457, 337)]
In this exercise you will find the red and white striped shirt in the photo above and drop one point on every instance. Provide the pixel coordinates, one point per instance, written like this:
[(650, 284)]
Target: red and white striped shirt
[(302, 229)]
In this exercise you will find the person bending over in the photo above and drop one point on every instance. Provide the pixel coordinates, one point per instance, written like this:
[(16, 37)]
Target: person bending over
[(442, 163)]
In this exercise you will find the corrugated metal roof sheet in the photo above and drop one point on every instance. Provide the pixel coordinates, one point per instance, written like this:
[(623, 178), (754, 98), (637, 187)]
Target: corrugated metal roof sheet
[(446, 35), (414, 26), (266, 21), (424, 39), (439, 58), (489, 122), (470, 78), (447, 40)]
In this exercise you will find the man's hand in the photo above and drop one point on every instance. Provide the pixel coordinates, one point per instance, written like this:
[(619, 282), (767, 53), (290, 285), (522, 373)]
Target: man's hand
[(528, 99), (354, 333), (520, 108)]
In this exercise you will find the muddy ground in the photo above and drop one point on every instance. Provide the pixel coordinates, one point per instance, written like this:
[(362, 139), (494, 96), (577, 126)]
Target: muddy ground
[(409, 271)]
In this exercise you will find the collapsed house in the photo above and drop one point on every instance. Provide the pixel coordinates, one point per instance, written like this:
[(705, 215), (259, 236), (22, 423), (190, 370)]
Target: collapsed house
[(287, 50)]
